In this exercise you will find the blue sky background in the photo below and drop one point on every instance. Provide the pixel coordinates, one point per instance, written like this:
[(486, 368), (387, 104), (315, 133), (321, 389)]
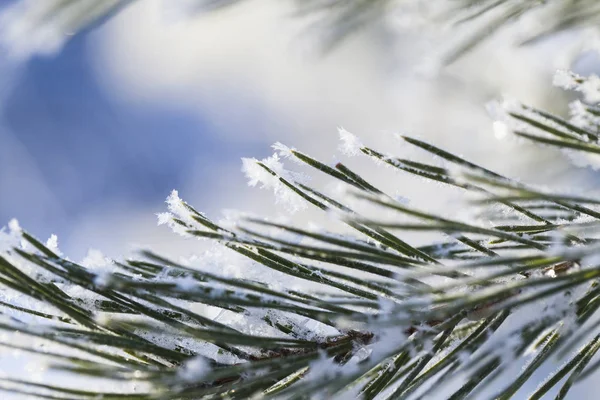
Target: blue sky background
[(90, 149)]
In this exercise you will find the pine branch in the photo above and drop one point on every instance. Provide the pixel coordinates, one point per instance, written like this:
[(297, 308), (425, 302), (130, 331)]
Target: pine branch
[(377, 317), (337, 20), (364, 313)]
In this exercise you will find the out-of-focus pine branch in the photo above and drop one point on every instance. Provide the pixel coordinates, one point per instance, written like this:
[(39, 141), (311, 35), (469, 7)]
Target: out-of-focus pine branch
[(337, 19)]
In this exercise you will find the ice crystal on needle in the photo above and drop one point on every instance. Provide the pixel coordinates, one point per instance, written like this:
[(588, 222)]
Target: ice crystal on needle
[(269, 173), (588, 86), (350, 144)]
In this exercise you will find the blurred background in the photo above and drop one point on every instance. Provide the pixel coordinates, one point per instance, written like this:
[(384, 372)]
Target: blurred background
[(97, 128)]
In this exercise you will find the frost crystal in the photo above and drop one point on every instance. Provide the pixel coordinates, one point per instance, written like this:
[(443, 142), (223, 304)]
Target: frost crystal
[(102, 266), (194, 369), (186, 283), (500, 129), (95, 259), (565, 79), (177, 209), (14, 227), (582, 115), (11, 238), (164, 218), (282, 149), (102, 279), (500, 112), (256, 174), (588, 86), (52, 244), (350, 145)]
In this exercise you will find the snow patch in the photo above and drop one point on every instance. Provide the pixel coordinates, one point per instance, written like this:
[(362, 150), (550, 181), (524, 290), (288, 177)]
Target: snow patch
[(95, 259), (281, 149), (194, 370), (500, 129), (588, 86), (102, 278), (177, 209), (256, 174), (350, 144), (565, 79), (52, 245), (14, 227)]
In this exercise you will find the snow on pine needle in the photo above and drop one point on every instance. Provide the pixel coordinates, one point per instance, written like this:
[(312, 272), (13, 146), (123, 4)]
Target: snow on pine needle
[(577, 137), (272, 175), (271, 304), (588, 86)]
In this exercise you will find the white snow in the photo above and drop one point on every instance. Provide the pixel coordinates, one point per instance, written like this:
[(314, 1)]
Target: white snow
[(52, 244), (500, 129), (193, 370), (186, 283), (565, 79), (95, 259), (101, 265), (283, 195), (102, 278), (177, 207), (350, 144), (164, 218), (588, 86), (178, 210), (281, 149), (14, 227)]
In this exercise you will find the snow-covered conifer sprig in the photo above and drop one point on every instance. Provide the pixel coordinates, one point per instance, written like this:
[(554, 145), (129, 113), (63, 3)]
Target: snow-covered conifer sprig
[(588, 86), (578, 137), (198, 332), (288, 311), (272, 175)]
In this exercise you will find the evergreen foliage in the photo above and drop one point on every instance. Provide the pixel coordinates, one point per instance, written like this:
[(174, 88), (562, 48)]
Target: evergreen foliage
[(383, 318), (379, 318)]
